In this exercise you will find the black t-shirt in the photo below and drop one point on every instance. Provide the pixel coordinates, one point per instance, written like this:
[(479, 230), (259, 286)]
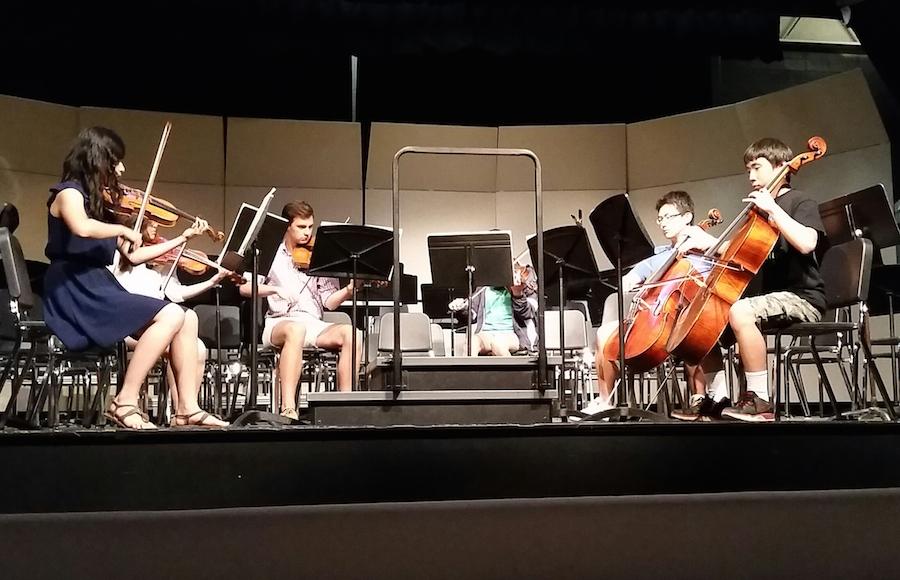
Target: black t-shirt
[(788, 269)]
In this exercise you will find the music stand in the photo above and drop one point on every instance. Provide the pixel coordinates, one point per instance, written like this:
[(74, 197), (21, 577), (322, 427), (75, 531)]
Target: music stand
[(864, 214), (370, 294), (625, 242), (380, 293), (360, 252), (252, 243), (435, 304), (569, 259), (466, 260)]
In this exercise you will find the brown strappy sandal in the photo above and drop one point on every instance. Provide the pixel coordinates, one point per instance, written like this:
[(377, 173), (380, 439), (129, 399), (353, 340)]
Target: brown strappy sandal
[(190, 421), (113, 414)]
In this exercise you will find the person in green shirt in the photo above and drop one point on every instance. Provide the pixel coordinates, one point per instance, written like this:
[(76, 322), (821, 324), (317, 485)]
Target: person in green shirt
[(500, 317)]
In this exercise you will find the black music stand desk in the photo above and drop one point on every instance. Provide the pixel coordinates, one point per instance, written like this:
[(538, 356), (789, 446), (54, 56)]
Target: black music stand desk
[(469, 260), (625, 242), (354, 251)]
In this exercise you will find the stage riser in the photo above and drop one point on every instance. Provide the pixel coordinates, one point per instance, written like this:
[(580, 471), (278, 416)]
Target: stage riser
[(190, 469), (773, 535), (437, 379), (376, 415)]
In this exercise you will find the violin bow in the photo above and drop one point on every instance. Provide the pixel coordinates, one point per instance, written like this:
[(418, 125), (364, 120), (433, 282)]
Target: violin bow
[(172, 269), (520, 255), (159, 153)]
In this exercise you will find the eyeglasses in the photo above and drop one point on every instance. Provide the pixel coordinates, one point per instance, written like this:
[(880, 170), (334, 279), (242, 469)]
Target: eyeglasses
[(665, 218)]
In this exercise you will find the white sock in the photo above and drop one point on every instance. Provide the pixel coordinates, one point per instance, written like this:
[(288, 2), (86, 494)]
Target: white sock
[(716, 385), (758, 382), (696, 399)]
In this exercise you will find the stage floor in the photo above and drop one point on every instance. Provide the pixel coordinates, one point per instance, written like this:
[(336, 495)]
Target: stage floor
[(68, 469)]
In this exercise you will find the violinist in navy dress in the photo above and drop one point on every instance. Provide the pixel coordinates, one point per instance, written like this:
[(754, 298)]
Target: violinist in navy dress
[(87, 308)]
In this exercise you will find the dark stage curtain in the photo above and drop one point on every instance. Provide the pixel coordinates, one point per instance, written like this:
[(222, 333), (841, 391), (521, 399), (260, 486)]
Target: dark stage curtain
[(246, 30), (290, 58), (530, 27), (873, 22)]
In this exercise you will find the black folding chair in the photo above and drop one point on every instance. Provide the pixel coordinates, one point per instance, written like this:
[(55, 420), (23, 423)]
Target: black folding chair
[(30, 329), (846, 270)]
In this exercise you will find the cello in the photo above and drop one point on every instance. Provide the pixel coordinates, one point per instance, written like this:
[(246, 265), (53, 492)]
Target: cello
[(750, 240), (654, 309)]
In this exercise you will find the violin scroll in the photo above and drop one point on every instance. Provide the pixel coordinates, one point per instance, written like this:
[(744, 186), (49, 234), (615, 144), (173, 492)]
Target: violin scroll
[(817, 148), (713, 218), (817, 145)]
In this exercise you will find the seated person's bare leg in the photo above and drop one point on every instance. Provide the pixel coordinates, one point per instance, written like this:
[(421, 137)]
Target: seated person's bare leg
[(340, 337), (707, 383), (289, 336), (504, 344), (184, 358), (173, 386), (696, 380), (462, 347), (607, 370), (484, 344), (201, 370), (201, 366), (712, 367)]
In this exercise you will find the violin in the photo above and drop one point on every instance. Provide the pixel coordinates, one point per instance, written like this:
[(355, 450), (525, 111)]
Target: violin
[(192, 262), (163, 212), (302, 255), (523, 275), (654, 309), (188, 261), (750, 237)]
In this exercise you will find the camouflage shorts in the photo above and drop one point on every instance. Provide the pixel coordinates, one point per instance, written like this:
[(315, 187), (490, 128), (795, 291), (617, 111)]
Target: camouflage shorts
[(781, 307), (774, 310)]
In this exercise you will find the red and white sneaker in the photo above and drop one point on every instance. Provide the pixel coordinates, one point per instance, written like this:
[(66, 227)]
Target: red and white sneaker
[(749, 407)]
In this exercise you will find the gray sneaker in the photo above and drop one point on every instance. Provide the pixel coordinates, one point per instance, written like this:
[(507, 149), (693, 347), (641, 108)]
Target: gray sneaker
[(698, 410), (749, 407)]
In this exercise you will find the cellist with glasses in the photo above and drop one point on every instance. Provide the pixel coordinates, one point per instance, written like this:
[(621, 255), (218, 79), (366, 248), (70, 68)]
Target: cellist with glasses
[(790, 285), (675, 216)]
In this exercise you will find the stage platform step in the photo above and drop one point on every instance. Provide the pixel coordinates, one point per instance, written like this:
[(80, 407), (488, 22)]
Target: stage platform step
[(443, 407), (423, 373), (444, 391), (475, 406)]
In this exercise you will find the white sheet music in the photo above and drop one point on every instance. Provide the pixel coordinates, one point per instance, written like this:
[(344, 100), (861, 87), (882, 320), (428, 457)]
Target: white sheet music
[(255, 226)]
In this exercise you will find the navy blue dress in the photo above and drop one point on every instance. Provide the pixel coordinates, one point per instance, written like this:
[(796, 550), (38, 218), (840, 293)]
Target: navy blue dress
[(84, 304)]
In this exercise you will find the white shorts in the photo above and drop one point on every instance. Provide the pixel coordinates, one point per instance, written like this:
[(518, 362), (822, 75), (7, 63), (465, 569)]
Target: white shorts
[(313, 325)]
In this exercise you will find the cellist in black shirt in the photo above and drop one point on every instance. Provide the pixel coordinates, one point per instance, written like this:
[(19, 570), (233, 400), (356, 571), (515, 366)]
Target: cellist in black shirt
[(790, 284)]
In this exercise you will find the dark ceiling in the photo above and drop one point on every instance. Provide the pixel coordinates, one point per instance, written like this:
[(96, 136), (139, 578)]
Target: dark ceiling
[(455, 61)]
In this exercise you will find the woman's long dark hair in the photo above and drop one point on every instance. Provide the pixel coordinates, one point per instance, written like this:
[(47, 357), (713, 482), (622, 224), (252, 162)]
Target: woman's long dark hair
[(92, 162)]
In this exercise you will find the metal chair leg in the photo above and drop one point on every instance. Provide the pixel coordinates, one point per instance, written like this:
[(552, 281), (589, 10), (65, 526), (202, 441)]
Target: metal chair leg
[(879, 383), (824, 377), (11, 370), (94, 414), (793, 369), (36, 404)]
